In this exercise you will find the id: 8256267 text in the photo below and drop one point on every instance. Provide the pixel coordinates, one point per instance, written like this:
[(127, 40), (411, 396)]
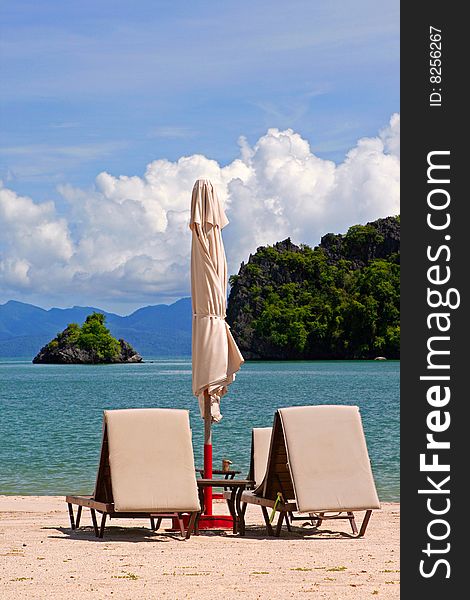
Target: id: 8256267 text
[(435, 66)]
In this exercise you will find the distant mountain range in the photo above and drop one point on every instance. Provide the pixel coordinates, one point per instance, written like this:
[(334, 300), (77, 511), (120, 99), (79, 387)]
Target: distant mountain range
[(160, 330), (338, 300)]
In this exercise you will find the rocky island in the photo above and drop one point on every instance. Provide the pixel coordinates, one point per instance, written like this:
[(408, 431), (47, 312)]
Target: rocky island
[(339, 300), (92, 343)]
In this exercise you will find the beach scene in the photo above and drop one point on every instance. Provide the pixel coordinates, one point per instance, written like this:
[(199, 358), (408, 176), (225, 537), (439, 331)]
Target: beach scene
[(200, 301)]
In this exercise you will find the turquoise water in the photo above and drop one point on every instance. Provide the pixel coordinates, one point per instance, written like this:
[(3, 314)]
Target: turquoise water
[(50, 425)]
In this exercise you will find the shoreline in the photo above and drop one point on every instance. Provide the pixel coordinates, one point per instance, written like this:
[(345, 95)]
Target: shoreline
[(187, 358), (41, 557), (24, 495)]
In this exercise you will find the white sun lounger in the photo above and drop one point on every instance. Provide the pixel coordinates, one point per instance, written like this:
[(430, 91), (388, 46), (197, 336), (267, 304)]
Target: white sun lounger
[(318, 464), (146, 469)]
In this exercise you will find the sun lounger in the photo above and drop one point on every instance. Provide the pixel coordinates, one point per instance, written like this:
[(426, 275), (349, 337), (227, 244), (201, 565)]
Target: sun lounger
[(146, 470), (260, 442), (318, 464)]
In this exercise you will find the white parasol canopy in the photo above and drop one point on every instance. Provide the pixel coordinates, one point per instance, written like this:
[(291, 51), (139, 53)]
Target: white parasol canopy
[(215, 355)]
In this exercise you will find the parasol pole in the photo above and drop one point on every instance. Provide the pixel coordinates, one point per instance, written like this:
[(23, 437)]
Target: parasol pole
[(207, 452)]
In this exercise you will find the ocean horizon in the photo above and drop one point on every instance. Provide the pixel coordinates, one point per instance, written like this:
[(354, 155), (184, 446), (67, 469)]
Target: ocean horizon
[(50, 431)]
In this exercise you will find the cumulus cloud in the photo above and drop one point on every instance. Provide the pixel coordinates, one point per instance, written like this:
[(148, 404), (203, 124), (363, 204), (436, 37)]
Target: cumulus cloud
[(127, 241), (32, 237)]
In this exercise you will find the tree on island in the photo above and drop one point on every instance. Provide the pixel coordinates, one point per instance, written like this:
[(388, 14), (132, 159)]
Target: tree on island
[(90, 343)]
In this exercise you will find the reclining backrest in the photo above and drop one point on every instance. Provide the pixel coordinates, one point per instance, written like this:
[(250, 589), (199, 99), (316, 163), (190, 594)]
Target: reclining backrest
[(260, 443), (277, 477), (147, 461), (328, 459)]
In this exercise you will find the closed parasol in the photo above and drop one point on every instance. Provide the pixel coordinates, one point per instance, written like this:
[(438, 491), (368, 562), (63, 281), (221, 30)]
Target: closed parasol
[(215, 355)]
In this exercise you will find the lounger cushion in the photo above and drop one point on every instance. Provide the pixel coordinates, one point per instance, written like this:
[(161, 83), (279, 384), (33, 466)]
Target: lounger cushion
[(151, 460), (261, 444), (328, 458)]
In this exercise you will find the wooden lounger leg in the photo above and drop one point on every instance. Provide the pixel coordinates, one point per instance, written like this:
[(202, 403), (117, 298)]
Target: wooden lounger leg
[(282, 514), (365, 522), (201, 499), (290, 518), (95, 524), (72, 522), (269, 527), (79, 514), (352, 522), (240, 509), (191, 523), (153, 526), (231, 508), (320, 521), (103, 523), (232, 511), (287, 522), (181, 524)]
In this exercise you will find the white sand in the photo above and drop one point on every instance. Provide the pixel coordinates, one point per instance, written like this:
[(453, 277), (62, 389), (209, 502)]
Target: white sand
[(41, 558)]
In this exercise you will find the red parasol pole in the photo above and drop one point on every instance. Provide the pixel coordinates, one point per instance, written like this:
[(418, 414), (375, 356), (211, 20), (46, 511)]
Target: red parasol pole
[(207, 452)]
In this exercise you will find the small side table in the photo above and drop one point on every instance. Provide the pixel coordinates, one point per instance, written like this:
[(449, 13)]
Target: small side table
[(237, 486)]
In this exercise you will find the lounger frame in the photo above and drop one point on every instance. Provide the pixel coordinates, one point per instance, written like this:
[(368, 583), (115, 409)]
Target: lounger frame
[(102, 502), (278, 480)]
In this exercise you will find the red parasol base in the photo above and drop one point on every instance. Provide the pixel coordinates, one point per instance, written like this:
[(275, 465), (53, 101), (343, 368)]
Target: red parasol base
[(206, 522)]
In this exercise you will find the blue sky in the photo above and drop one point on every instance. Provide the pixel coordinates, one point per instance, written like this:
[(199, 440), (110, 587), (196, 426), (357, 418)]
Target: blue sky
[(110, 85), (95, 86)]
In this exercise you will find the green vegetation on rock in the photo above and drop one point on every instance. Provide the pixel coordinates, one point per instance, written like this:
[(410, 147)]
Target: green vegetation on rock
[(338, 300), (95, 337)]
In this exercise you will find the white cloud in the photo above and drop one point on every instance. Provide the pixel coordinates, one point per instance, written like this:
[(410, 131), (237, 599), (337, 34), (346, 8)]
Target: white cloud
[(390, 136), (292, 192), (32, 237), (127, 239)]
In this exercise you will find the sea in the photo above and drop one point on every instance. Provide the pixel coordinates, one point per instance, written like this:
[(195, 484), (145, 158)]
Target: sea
[(51, 415)]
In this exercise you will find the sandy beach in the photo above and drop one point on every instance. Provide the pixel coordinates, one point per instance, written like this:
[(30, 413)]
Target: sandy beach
[(40, 557)]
